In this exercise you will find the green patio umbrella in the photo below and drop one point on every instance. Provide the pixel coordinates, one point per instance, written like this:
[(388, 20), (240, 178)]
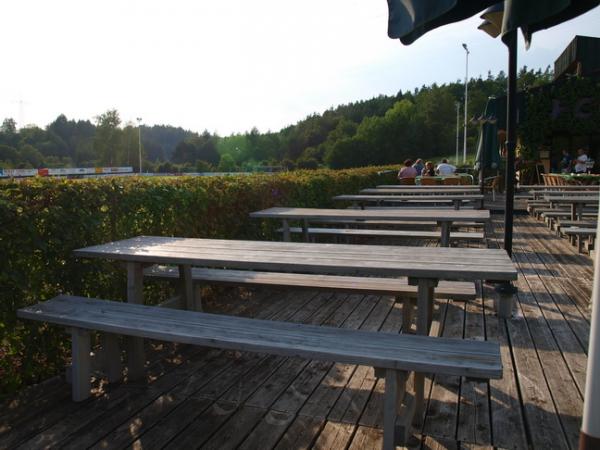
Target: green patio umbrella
[(488, 154)]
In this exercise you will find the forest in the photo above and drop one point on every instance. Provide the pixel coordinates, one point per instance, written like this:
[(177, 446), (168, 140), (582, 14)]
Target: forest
[(381, 130)]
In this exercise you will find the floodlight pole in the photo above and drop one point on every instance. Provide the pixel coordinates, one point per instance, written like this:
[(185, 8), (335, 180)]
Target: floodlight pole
[(139, 120), (457, 130), (466, 102)]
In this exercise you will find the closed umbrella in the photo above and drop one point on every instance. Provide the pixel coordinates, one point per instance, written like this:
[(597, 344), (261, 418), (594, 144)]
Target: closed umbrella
[(488, 154)]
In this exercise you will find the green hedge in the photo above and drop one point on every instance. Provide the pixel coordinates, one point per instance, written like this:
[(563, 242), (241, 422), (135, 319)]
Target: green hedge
[(44, 220)]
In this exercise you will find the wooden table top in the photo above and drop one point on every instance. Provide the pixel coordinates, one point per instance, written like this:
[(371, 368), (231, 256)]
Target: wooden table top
[(420, 192), (425, 187), (467, 264), (572, 198), (416, 214), (399, 198)]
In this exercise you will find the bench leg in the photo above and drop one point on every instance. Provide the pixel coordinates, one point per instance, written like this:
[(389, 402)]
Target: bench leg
[(81, 364), (135, 345), (287, 237), (395, 390), (111, 356)]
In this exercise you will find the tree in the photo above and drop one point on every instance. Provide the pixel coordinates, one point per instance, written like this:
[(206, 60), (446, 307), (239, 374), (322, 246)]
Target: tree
[(108, 139), (227, 164)]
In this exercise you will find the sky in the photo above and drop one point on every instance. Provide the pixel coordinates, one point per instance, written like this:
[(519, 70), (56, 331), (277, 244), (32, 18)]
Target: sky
[(229, 66)]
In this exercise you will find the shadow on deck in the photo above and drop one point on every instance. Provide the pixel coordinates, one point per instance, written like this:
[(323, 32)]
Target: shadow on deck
[(196, 397)]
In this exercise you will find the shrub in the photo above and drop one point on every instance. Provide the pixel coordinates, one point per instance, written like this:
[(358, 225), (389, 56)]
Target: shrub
[(43, 220)]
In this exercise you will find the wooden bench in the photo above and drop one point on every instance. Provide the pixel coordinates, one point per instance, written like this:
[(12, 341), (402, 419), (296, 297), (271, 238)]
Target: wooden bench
[(566, 223), (394, 356), (397, 287), (396, 223), (580, 234), (362, 232)]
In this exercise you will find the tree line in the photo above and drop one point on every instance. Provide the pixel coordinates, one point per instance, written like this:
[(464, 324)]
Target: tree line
[(382, 130)]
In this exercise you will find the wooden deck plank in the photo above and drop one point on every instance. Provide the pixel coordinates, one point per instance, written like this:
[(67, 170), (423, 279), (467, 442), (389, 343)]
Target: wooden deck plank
[(537, 403)]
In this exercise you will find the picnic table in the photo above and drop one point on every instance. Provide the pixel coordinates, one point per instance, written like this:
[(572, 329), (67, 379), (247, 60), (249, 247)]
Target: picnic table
[(454, 199), (427, 187), (444, 218), (433, 190), (576, 201), (424, 268), (557, 191)]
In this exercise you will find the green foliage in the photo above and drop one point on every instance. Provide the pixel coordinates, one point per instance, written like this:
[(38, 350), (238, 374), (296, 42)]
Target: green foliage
[(571, 107), (44, 220)]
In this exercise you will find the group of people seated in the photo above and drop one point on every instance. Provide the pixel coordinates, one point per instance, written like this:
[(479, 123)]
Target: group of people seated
[(418, 169), (568, 164)]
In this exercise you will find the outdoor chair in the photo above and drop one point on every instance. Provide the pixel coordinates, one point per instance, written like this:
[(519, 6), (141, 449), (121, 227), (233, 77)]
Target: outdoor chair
[(410, 181), (451, 181), (428, 181)]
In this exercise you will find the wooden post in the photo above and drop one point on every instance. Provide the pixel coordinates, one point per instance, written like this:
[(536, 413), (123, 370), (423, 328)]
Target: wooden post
[(305, 230), (81, 364), (395, 388), (407, 309), (425, 294), (135, 345), (111, 357), (187, 286), (286, 230), (445, 237)]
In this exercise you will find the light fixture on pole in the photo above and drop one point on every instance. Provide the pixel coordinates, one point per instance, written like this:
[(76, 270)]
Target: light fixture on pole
[(466, 102), (139, 119), (457, 130)]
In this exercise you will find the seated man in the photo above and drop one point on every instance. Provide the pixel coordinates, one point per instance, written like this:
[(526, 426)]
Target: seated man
[(581, 161), (444, 168)]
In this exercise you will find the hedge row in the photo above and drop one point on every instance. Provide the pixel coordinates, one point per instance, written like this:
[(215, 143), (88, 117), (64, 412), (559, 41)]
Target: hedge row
[(42, 221)]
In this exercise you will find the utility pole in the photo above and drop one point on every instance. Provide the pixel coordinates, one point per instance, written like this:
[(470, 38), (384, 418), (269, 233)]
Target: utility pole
[(466, 102), (139, 119), (457, 130)]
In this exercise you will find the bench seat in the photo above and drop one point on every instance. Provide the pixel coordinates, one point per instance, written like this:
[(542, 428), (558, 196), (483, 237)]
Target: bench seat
[(397, 223), (393, 355), (362, 232), (455, 290), (580, 234)]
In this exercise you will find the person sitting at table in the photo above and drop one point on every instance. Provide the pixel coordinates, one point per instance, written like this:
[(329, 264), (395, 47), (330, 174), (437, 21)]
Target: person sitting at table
[(444, 168), (428, 170), (566, 162), (581, 161), (408, 171), (419, 166)]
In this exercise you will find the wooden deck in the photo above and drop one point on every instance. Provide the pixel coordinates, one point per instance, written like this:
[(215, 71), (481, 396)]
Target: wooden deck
[(196, 397)]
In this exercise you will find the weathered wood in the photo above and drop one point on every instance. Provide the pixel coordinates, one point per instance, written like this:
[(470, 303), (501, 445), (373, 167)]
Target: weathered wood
[(112, 357), (81, 363), (187, 288), (412, 190), (456, 290), (135, 345), (395, 388), (363, 232), (448, 263)]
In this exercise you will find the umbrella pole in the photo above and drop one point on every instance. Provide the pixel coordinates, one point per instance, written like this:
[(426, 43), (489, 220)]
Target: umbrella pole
[(589, 436), (511, 138)]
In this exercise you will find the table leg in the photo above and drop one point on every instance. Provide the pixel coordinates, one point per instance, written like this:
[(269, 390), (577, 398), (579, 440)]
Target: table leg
[(457, 203), (573, 211), (305, 230), (286, 231), (187, 289), (135, 345), (445, 238), (425, 291)]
